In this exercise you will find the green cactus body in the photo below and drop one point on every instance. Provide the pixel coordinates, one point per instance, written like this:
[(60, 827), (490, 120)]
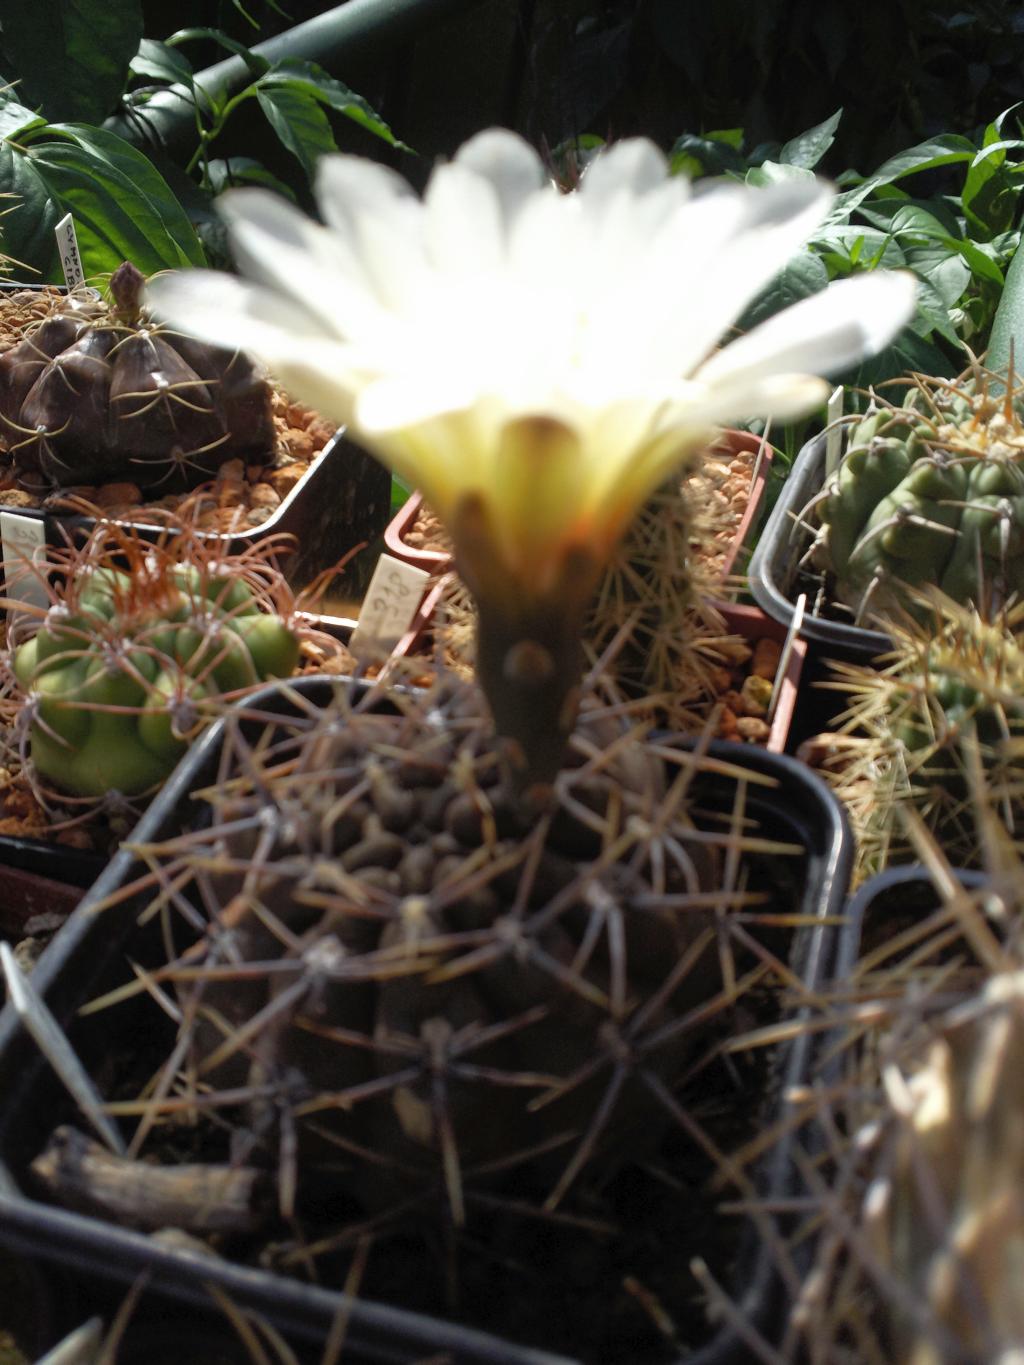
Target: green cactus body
[(949, 698), (118, 686), (911, 533), (873, 467), (932, 493)]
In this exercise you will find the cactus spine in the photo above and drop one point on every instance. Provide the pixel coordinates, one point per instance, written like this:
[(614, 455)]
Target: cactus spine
[(950, 693)]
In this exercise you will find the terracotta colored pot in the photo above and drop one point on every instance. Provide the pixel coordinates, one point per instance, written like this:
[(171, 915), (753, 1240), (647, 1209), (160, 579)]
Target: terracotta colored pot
[(730, 442), (750, 623)]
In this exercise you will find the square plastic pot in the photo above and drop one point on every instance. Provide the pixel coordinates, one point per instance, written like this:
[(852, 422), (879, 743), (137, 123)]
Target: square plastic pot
[(37, 877), (777, 577), (341, 501), (897, 897), (88, 956)]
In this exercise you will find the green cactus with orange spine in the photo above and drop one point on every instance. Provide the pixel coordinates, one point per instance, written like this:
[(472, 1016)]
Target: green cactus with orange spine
[(128, 664)]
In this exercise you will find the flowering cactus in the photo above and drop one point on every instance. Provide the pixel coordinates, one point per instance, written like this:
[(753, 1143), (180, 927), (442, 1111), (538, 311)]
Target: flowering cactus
[(537, 363)]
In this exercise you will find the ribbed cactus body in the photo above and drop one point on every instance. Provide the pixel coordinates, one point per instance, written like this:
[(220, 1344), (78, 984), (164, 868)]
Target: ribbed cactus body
[(96, 395), (931, 493), (446, 990), (948, 699), (119, 675)]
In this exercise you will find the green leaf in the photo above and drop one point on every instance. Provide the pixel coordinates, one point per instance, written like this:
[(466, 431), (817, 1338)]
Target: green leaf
[(912, 218), (932, 315), (682, 164), (837, 264), (848, 238), (162, 63), (845, 205), (978, 259), (908, 352), (298, 120), (27, 233), (808, 149), (772, 172), (123, 208), (401, 491), (257, 65), (997, 150), (71, 56), (944, 150), (945, 270), (995, 128), (244, 170), (804, 275), (992, 191), (710, 156), (317, 82), (1008, 323), (733, 137), (15, 119)]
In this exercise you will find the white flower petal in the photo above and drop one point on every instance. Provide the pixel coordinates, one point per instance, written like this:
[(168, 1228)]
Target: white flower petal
[(373, 211), (283, 334), (464, 232), (219, 307), (759, 230), (827, 332), (508, 164), (393, 404), (348, 188), (783, 397), (628, 168), (499, 335), (280, 247)]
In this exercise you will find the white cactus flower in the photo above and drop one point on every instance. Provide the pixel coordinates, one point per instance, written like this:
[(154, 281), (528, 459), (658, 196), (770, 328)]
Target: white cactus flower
[(536, 362), (551, 352)]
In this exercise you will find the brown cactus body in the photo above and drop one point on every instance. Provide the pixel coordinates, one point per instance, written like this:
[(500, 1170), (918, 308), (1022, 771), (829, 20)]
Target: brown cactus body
[(97, 395)]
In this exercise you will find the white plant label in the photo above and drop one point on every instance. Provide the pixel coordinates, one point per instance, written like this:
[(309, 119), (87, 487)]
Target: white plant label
[(70, 256), (792, 635), (392, 600), (23, 540), (834, 439)]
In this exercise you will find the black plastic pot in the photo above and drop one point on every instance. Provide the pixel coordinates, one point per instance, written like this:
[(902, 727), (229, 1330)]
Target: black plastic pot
[(886, 902), (88, 956), (37, 877), (777, 577), (342, 501)]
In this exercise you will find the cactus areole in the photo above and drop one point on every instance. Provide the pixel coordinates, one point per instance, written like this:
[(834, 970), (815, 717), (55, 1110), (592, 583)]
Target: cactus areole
[(929, 493), (98, 394), (121, 680)]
